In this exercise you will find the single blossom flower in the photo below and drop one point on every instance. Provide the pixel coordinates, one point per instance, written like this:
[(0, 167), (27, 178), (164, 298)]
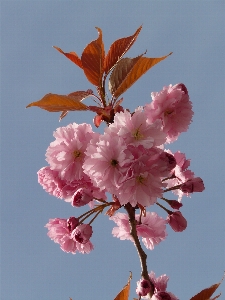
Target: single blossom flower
[(50, 181), (135, 130), (106, 161), (151, 228), (173, 107), (142, 182), (66, 154), (177, 221)]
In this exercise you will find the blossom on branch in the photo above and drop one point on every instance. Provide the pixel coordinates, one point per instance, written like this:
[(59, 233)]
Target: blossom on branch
[(61, 232), (160, 286), (151, 228), (66, 154), (173, 107)]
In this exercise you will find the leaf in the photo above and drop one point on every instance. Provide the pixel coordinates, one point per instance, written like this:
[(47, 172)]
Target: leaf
[(207, 293), (63, 114), (124, 293), (54, 102), (72, 56), (92, 60), (118, 49), (129, 70)]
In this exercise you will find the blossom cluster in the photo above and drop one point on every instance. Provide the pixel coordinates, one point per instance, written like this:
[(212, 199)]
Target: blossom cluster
[(160, 286), (130, 162)]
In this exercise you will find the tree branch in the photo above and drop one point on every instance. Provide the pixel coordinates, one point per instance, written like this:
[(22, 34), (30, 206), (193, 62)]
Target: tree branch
[(142, 255)]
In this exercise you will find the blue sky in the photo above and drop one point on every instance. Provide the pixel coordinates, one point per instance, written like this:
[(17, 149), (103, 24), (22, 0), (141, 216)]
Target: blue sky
[(34, 267)]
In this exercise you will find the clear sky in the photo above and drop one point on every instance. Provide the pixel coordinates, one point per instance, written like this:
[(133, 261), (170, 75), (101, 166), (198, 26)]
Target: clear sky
[(34, 267)]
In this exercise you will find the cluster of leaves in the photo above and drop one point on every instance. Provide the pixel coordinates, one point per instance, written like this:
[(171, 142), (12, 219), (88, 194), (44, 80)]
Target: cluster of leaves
[(97, 65)]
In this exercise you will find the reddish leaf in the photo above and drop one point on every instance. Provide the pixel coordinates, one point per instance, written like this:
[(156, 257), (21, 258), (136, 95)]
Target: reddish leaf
[(63, 114), (129, 70), (118, 49), (72, 56), (207, 293), (216, 297), (92, 60), (124, 293), (54, 102)]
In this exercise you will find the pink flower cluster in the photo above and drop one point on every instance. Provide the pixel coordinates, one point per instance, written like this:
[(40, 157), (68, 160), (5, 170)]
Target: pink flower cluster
[(160, 286), (71, 236), (128, 161)]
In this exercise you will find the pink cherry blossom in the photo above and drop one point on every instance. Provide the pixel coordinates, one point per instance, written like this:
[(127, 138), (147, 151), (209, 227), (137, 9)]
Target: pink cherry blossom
[(142, 183), (66, 153), (60, 231), (82, 233), (151, 228), (177, 222), (123, 230), (160, 286), (180, 174), (106, 161), (69, 191), (143, 287), (173, 107), (50, 181), (134, 129)]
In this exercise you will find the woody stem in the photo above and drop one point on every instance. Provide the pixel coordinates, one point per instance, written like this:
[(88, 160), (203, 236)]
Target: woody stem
[(142, 255)]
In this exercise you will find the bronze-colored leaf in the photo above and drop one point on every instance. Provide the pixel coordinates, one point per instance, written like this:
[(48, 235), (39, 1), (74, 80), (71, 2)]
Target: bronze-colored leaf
[(124, 293), (72, 56), (207, 293), (127, 72), (54, 102), (118, 49), (92, 60), (120, 72), (216, 297)]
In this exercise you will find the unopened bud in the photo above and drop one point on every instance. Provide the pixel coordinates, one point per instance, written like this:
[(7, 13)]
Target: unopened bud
[(72, 223), (143, 287), (82, 233), (193, 185), (177, 221)]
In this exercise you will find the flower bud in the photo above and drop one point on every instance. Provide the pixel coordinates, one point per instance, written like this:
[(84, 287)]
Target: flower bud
[(174, 204), (193, 185), (143, 287), (82, 233), (177, 221), (72, 223), (81, 197)]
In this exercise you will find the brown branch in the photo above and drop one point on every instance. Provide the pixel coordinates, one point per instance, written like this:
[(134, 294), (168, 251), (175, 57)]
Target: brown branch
[(142, 255)]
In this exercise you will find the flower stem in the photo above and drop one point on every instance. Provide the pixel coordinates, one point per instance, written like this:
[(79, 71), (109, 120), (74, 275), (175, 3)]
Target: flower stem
[(142, 255)]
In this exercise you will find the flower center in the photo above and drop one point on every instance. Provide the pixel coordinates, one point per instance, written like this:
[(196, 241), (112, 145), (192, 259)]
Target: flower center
[(137, 134), (140, 179), (114, 162), (168, 112), (77, 153)]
